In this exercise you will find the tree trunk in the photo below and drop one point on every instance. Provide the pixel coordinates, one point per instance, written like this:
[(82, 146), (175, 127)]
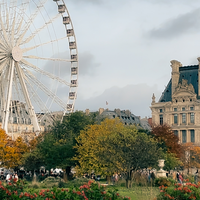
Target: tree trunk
[(108, 178), (68, 171)]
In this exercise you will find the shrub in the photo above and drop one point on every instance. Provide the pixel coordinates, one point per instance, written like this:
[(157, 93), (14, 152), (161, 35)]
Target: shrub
[(164, 181), (179, 192), (88, 191)]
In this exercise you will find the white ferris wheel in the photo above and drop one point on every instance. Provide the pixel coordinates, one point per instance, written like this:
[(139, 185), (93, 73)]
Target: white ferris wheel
[(38, 61)]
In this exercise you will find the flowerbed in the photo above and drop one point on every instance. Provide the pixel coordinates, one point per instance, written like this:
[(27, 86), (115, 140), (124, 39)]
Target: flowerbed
[(180, 192), (92, 190)]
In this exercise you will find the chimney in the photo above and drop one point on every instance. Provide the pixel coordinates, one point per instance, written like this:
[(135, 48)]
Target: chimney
[(87, 111), (101, 110), (175, 74), (127, 112)]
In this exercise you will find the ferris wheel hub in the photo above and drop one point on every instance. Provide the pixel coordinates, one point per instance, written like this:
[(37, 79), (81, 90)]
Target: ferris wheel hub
[(17, 54)]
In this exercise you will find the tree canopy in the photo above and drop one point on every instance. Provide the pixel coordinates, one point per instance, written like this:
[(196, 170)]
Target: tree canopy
[(111, 147), (167, 139)]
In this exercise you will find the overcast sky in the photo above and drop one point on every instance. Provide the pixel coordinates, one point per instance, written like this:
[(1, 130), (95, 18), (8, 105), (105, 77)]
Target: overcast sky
[(125, 48)]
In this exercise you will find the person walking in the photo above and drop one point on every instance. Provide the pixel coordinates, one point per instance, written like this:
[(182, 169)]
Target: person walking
[(16, 177), (8, 177), (177, 176), (180, 179)]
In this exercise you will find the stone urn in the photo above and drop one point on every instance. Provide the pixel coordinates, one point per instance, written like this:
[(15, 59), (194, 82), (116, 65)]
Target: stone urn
[(161, 172)]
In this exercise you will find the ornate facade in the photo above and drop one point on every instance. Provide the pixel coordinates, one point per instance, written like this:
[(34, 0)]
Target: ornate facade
[(179, 104)]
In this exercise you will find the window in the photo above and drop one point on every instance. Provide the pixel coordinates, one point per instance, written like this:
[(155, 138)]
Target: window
[(161, 110), (183, 109), (176, 133), (175, 119), (183, 118), (192, 136), (192, 118), (161, 119), (191, 108), (184, 139), (175, 109)]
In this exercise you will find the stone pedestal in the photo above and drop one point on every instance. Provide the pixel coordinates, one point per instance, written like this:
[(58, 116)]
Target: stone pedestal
[(161, 172)]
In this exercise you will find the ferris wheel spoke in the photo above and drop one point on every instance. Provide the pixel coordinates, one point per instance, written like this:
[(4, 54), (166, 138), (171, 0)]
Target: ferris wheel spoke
[(13, 32), (31, 19), (50, 59), (28, 39), (20, 25), (46, 90), (3, 48), (39, 45), (37, 69), (3, 64), (27, 98), (7, 19), (4, 31), (37, 98)]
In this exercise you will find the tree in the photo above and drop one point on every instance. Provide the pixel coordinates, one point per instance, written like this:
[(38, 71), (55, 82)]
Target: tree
[(11, 152), (56, 147), (167, 139), (111, 147), (191, 156)]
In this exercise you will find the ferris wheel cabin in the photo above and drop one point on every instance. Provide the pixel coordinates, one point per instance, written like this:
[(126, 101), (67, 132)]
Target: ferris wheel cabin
[(66, 20), (74, 70), (61, 8)]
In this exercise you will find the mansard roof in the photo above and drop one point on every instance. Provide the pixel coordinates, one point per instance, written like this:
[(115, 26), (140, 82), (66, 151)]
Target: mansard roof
[(189, 73)]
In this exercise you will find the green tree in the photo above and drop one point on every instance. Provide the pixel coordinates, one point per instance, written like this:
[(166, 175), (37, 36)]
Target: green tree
[(111, 147), (56, 147)]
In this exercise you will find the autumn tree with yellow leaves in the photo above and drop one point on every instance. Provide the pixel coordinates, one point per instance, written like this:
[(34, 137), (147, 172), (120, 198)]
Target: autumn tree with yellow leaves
[(11, 151), (112, 147)]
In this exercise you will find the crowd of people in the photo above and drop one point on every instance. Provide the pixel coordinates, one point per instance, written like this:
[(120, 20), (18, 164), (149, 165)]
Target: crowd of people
[(10, 177)]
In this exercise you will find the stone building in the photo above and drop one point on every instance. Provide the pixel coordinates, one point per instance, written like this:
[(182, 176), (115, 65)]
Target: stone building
[(125, 116), (179, 104)]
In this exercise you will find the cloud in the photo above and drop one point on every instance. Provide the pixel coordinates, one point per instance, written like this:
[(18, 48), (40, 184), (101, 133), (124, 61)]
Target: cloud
[(87, 64), (186, 23), (88, 1), (136, 98)]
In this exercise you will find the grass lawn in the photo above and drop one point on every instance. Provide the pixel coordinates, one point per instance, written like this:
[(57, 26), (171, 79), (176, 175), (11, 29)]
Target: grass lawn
[(139, 193)]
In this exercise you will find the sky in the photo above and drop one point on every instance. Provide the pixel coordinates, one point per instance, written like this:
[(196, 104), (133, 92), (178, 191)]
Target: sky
[(125, 48)]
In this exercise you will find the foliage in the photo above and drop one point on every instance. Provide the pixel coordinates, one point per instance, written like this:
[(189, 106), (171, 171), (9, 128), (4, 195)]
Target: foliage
[(191, 155), (168, 141), (171, 161), (180, 192), (11, 151), (32, 160), (111, 147), (91, 190), (164, 181)]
